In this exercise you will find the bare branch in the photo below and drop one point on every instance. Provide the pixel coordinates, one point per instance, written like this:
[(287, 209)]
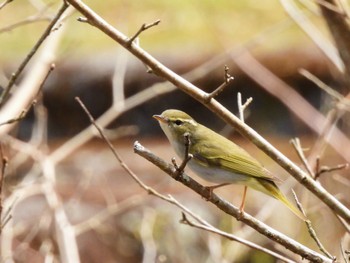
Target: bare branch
[(84, 20), (312, 232), (187, 157), (297, 146), (144, 27), (19, 70), (227, 79), (242, 108), (325, 169)]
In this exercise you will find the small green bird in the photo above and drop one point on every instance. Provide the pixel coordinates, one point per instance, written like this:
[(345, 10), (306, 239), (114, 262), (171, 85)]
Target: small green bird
[(217, 159)]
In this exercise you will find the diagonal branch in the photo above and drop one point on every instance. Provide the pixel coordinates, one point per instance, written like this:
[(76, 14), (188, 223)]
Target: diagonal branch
[(228, 208), (340, 30)]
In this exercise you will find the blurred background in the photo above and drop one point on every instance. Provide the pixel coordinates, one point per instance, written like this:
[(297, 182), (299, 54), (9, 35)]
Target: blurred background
[(112, 218)]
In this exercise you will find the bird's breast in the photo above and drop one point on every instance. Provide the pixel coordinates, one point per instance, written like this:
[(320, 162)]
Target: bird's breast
[(216, 174)]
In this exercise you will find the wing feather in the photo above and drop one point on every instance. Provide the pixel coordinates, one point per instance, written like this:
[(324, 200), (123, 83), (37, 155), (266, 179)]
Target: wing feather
[(229, 156)]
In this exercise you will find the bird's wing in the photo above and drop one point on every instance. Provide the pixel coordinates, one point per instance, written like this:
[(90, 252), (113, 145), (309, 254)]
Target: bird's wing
[(232, 158)]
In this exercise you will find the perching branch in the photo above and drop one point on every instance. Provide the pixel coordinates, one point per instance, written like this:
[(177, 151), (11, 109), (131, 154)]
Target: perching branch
[(228, 208)]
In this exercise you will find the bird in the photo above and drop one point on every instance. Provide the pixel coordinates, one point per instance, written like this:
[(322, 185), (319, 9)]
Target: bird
[(217, 159)]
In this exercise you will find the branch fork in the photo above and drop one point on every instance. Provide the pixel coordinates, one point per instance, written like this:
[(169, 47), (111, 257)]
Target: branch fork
[(227, 79), (144, 27)]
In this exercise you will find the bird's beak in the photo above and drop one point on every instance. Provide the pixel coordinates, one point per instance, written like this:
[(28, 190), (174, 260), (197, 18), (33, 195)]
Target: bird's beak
[(160, 118)]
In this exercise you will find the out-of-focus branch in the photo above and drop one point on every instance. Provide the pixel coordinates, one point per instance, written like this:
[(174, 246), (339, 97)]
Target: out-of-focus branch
[(30, 85), (312, 31), (21, 67), (340, 29), (3, 4), (187, 87), (39, 17), (4, 162)]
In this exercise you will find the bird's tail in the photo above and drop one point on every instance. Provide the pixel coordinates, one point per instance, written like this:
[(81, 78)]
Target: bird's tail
[(275, 192)]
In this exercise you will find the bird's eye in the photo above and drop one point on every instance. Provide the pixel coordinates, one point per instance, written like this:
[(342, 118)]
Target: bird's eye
[(178, 122)]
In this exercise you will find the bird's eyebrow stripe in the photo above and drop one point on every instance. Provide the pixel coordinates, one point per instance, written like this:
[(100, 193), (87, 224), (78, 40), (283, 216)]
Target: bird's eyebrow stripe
[(192, 122)]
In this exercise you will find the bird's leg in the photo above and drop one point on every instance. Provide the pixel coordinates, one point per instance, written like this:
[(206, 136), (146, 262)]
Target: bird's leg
[(212, 187), (241, 208)]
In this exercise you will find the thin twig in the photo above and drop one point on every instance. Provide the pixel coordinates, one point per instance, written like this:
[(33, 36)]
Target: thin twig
[(311, 231), (84, 20), (297, 146), (111, 147), (21, 67), (227, 79), (144, 27), (21, 116), (326, 169), (187, 157), (242, 108)]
